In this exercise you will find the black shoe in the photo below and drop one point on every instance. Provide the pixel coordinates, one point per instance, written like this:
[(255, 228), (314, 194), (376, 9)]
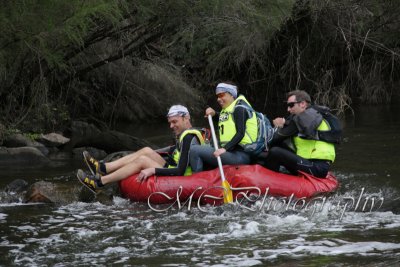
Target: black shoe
[(88, 180), (92, 163)]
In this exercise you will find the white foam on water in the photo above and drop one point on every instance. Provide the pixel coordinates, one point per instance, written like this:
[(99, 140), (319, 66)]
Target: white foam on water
[(12, 245), (299, 247), (59, 220), (25, 260), (125, 230), (83, 208), (108, 239), (370, 220), (239, 261), (78, 216), (179, 216), (183, 251), (26, 228), (362, 248), (299, 240), (148, 225), (13, 204), (121, 202), (49, 241), (121, 225), (122, 260), (3, 216), (392, 225), (186, 235), (85, 233), (238, 230), (113, 250)]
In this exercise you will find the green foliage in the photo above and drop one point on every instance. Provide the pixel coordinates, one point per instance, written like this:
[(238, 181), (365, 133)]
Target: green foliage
[(55, 55), (43, 49), (33, 136), (367, 32), (37, 40), (47, 29), (226, 35)]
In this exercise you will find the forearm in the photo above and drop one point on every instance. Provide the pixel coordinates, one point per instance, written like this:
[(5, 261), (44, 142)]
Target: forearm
[(180, 169), (288, 130)]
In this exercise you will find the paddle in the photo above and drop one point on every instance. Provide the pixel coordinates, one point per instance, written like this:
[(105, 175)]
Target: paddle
[(228, 197)]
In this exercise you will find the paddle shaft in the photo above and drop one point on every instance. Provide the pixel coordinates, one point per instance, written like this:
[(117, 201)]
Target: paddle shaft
[(214, 137)]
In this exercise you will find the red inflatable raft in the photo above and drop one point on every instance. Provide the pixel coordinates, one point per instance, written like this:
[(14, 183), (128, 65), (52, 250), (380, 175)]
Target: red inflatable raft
[(205, 187)]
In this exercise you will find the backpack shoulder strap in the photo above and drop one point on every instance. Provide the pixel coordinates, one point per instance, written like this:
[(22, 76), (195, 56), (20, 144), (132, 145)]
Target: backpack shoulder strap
[(321, 109), (244, 105)]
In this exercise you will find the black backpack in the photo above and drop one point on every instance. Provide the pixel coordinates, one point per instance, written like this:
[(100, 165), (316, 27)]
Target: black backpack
[(334, 135)]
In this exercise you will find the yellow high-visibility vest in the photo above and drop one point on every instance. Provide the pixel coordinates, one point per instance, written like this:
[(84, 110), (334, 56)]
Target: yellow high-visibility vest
[(226, 125)]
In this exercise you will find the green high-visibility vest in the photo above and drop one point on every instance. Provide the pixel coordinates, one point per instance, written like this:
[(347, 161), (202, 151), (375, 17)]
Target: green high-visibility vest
[(315, 149), (226, 125)]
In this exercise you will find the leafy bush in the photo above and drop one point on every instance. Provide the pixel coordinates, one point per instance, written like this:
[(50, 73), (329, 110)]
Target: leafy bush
[(80, 58)]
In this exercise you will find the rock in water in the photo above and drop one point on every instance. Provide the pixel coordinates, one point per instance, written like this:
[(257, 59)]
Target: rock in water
[(47, 192)]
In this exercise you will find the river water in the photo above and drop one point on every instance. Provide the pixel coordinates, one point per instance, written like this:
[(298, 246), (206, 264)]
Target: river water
[(122, 233)]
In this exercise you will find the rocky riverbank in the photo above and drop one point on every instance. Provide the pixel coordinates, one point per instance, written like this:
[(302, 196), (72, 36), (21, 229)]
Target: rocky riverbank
[(79, 136), (19, 148)]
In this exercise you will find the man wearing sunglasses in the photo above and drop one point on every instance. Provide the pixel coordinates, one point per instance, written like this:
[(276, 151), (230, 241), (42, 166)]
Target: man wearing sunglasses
[(306, 152), (147, 161)]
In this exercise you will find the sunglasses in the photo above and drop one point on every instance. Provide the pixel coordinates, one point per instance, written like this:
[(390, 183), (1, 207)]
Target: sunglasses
[(291, 104), (220, 95)]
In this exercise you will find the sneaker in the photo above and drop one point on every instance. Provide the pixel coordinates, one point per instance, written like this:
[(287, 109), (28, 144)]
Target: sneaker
[(92, 163), (88, 180)]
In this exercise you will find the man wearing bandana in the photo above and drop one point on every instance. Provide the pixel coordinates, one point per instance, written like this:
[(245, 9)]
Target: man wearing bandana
[(146, 161), (236, 128)]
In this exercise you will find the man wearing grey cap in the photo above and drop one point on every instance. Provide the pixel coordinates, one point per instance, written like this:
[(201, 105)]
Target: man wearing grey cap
[(236, 128), (146, 161)]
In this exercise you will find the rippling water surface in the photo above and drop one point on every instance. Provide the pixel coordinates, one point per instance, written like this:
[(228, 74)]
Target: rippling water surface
[(121, 233)]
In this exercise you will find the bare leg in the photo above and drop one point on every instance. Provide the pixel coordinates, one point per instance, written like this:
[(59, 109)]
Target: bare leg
[(140, 163), (128, 159)]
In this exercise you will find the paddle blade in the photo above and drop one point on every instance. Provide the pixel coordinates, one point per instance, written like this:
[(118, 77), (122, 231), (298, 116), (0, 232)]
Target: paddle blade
[(228, 196)]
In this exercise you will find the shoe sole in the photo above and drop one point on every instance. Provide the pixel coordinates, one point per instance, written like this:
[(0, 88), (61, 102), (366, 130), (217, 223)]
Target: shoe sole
[(77, 176), (88, 164)]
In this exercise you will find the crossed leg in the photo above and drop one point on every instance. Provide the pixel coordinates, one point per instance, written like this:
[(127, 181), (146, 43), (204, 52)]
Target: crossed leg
[(131, 167), (147, 152)]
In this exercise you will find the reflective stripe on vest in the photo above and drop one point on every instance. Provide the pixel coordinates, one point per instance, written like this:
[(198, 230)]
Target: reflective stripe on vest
[(314, 149), (227, 129), (176, 155)]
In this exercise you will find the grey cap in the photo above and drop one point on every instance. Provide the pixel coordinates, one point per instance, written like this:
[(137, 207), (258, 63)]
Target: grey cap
[(177, 110)]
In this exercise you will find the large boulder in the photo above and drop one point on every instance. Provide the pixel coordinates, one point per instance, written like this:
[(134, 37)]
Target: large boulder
[(20, 140), (52, 140), (48, 192), (82, 134), (42, 191), (14, 191), (79, 132), (113, 141), (22, 154), (16, 186)]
